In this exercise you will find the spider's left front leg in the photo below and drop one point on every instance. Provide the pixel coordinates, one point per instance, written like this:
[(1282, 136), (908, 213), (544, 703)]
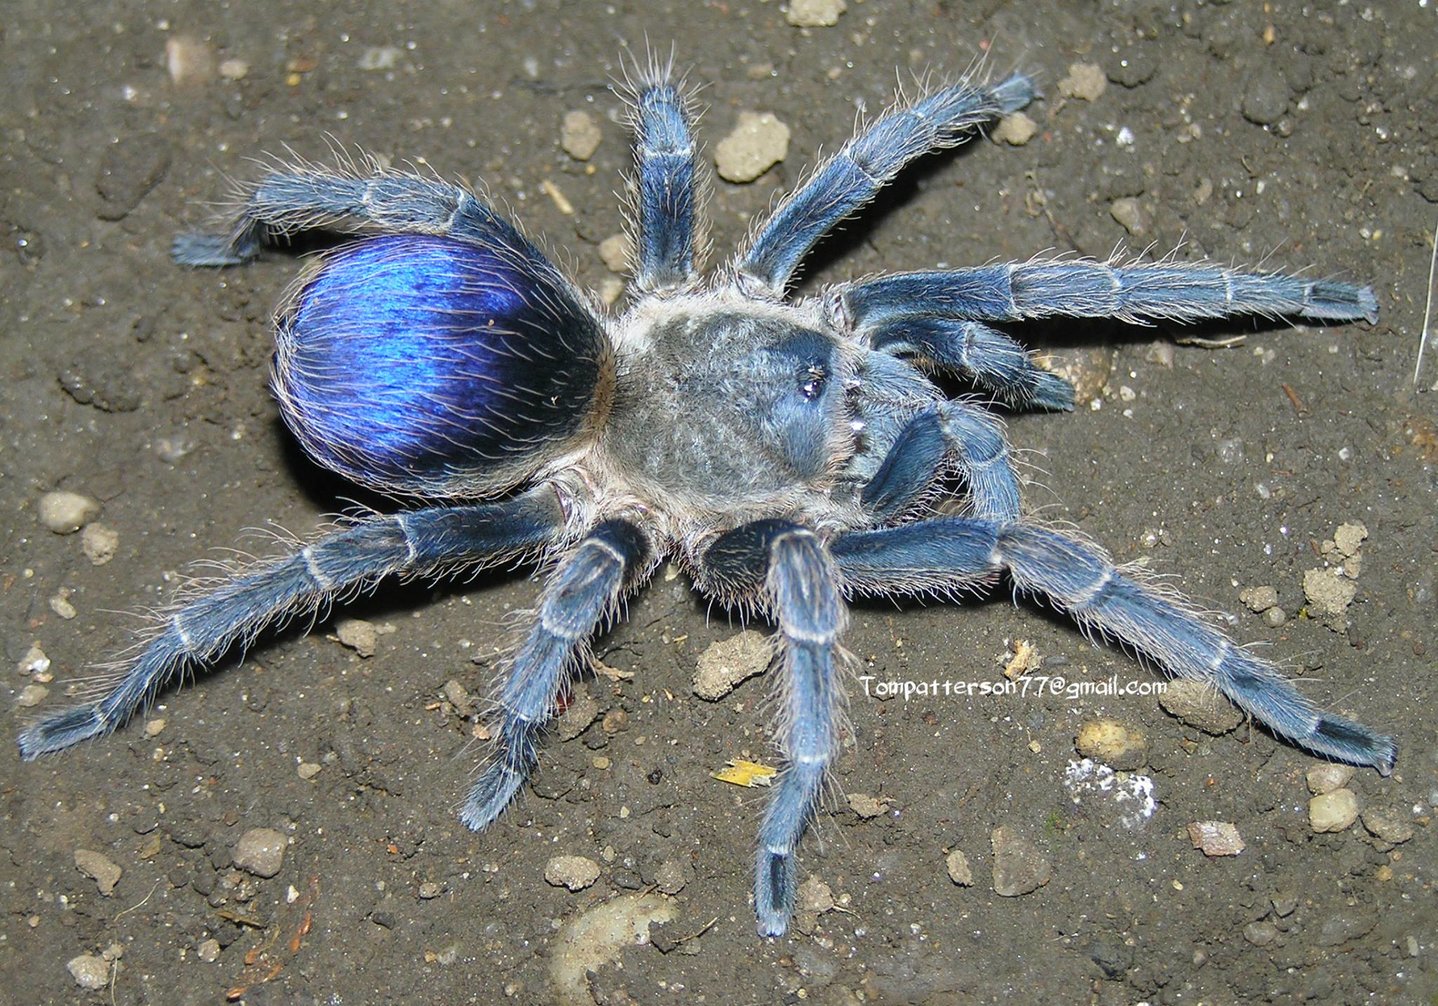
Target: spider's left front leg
[(585, 589), (791, 568)]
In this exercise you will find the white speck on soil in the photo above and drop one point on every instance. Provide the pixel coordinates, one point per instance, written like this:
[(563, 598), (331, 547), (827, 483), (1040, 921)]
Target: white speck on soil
[(35, 663), (1130, 793)]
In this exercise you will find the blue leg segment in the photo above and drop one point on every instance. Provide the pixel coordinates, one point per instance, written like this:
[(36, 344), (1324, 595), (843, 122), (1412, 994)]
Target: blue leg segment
[(412, 542), (287, 202), (664, 184), (801, 587), (866, 163), (987, 356), (945, 554), (1018, 291), (968, 434), (585, 589)]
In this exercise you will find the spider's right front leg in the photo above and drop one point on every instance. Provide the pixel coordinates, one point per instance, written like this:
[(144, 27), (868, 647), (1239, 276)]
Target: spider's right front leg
[(791, 567), (584, 590)]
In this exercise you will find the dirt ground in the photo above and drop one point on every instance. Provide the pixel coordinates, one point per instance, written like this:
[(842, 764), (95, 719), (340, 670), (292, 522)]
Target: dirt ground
[(1244, 132)]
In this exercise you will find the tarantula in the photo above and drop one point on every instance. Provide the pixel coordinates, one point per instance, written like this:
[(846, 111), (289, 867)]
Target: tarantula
[(784, 451)]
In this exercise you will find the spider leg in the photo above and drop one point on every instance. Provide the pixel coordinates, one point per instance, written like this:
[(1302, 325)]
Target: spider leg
[(953, 553), (794, 570), (947, 429), (1018, 291), (987, 356), (415, 541), (664, 185), (582, 592), (866, 163), (312, 197)]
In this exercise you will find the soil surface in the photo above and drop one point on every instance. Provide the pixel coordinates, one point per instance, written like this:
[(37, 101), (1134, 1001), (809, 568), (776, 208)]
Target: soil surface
[(1258, 134)]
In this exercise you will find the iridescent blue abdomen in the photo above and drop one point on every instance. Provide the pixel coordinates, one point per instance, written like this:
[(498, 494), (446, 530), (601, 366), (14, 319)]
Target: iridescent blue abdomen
[(438, 367)]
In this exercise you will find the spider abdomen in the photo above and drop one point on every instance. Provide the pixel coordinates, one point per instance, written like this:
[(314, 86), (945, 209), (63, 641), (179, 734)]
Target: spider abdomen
[(435, 366)]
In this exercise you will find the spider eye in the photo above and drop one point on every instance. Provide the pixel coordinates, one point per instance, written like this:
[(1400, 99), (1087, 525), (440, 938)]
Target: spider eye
[(438, 367), (812, 381)]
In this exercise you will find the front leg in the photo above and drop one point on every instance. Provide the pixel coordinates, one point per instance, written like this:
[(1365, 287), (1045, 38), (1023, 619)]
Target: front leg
[(799, 581)]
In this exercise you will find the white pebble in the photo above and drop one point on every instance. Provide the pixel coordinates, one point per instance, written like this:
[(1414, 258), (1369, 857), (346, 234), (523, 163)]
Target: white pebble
[(757, 143), (1015, 129), (573, 872), (1333, 811), (814, 13), (65, 512), (1085, 81), (99, 868)]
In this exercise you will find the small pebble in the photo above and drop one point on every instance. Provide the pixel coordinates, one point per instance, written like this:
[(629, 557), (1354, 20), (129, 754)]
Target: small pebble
[(234, 69), (814, 13), (580, 135), (1015, 129), (1389, 825), (1200, 706), (616, 251), (209, 951), (1327, 777), (429, 890), (260, 851), (308, 769), (815, 896), (89, 971), (189, 60), (1260, 933), (1329, 595), (1258, 599), (867, 806), (154, 727), (1019, 867), (99, 868), (757, 143), (99, 543), (573, 872), (1215, 838), (723, 665), (671, 877), (1085, 81), (1115, 744), (1333, 811), (358, 635), (35, 662), (65, 512), (60, 604), (957, 864), (31, 695), (1128, 214)]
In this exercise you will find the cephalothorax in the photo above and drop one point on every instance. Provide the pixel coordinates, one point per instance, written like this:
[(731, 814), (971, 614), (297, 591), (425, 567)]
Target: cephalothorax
[(785, 452)]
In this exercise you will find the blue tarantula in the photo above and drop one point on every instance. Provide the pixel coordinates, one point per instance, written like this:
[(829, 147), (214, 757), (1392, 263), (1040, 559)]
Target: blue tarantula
[(784, 451)]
